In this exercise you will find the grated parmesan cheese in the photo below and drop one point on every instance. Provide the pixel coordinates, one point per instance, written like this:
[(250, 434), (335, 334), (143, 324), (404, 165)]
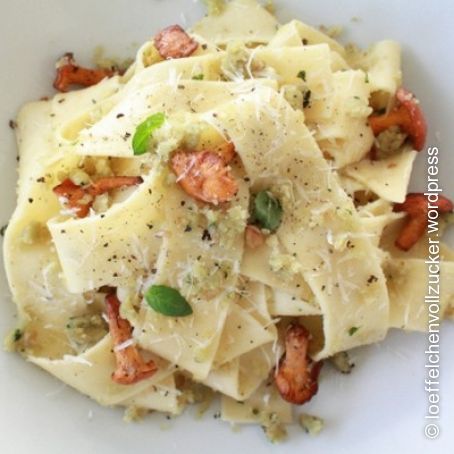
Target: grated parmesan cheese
[(123, 345)]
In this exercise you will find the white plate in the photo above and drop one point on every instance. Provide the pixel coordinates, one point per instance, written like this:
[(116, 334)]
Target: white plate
[(381, 406)]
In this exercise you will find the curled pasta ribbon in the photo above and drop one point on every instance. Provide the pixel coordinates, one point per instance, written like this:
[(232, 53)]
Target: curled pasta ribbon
[(131, 368), (205, 175), (68, 74), (297, 376), (416, 206), (254, 237), (407, 115), (80, 199), (174, 42)]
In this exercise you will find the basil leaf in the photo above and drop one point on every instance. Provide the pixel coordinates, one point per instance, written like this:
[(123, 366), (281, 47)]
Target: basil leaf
[(144, 132), (167, 301), (353, 330), (198, 77), (267, 211)]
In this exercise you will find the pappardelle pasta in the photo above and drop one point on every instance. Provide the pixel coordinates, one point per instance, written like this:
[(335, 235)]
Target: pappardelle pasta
[(225, 215)]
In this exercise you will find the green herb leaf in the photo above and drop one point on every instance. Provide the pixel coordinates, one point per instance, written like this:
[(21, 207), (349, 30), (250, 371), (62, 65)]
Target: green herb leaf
[(167, 301), (353, 330), (144, 132), (267, 211), (198, 77), (302, 75)]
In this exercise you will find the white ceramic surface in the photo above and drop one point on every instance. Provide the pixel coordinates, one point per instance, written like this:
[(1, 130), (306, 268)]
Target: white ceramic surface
[(380, 408)]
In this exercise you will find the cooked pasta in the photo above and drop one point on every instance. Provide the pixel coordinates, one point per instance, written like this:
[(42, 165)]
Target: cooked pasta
[(221, 215)]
